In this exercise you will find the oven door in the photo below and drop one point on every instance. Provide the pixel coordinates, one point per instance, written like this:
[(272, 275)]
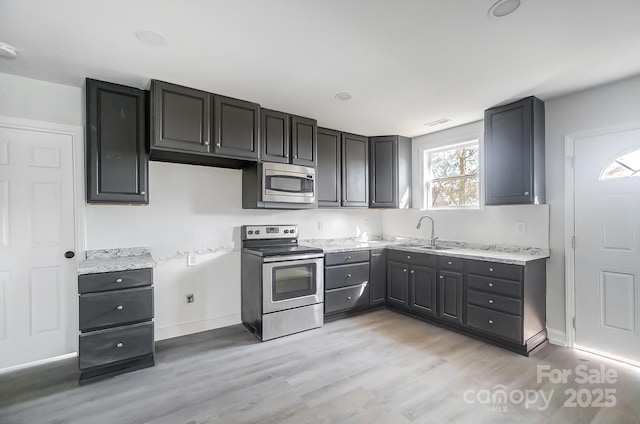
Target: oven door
[(291, 282)]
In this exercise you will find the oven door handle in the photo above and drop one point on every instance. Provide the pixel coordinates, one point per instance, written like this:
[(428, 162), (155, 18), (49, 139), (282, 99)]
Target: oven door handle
[(269, 259)]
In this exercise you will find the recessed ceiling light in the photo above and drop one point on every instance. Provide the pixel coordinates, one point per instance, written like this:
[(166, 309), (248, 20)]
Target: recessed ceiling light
[(151, 38), (503, 8), (437, 122), (343, 96), (7, 51)]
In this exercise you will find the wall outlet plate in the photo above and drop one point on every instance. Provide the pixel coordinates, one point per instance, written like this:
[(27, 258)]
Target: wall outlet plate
[(190, 298), (192, 259)]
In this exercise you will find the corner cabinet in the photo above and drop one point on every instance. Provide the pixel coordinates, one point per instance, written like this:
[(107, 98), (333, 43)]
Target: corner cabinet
[(289, 138), (514, 153), (390, 172), (116, 152)]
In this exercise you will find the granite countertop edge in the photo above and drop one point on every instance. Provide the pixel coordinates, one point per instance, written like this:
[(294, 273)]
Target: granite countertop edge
[(99, 261)]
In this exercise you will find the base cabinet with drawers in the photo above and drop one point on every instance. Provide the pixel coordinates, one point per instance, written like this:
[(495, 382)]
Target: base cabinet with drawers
[(115, 322)]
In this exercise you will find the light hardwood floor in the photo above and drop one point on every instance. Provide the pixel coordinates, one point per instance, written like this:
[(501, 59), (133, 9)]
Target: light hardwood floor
[(378, 367)]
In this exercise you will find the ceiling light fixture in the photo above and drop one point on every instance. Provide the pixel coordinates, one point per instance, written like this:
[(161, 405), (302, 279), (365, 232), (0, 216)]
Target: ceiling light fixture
[(7, 51), (343, 96), (437, 122), (504, 8), (151, 38)]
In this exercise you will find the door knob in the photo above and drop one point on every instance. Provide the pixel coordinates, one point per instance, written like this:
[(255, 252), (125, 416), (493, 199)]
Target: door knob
[(69, 254)]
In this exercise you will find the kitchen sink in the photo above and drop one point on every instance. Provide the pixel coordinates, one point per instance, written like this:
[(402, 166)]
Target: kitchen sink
[(423, 246)]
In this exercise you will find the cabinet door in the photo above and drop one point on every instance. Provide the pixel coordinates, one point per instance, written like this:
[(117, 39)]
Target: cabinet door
[(275, 136), (397, 283), (450, 296), (384, 172), (355, 170), (377, 277), (422, 284), (514, 137), (181, 117), (117, 158), (303, 141), (237, 126), (329, 182)]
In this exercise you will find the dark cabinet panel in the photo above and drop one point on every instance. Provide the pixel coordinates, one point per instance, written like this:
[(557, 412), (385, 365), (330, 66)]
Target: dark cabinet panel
[(329, 181), (514, 153), (303, 141), (181, 117), (117, 159), (355, 170), (397, 283), (275, 136), (346, 298), (237, 126), (423, 290), (377, 278), (115, 344), (450, 296), (390, 178)]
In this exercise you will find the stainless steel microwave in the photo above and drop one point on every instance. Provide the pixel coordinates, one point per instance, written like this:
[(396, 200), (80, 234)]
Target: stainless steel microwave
[(284, 183)]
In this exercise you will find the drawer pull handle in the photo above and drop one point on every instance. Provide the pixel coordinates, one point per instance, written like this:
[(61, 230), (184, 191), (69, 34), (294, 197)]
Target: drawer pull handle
[(119, 307), (491, 301), (490, 269), (348, 297), (491, 321), (348, 257), (119, 345), (490, 284), (449, 262), (119, 280)]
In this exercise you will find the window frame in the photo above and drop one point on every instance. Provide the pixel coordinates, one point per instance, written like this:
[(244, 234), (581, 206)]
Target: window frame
[(427, 179)]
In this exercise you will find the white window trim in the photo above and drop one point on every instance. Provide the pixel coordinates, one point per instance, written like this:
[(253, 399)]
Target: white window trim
[(425, 162)]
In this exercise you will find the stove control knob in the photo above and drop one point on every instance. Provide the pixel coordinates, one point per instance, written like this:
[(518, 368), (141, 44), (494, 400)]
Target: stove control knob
[(257, 231), (250, 231), (286, 231)]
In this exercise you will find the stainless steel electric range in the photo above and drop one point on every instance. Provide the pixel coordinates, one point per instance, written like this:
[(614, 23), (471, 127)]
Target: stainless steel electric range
[(282, 282)]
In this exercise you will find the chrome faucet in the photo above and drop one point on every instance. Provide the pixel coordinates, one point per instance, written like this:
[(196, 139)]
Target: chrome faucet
[(432, 240)]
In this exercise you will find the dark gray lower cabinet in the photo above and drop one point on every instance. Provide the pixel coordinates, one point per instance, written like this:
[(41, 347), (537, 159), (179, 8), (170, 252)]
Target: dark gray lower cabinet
[(423, 290), (115, 322), (377, 280), (116, 152), (397, 283), (450, 298)]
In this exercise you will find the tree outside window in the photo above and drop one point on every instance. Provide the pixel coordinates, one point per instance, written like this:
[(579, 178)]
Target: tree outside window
[(452, 176)]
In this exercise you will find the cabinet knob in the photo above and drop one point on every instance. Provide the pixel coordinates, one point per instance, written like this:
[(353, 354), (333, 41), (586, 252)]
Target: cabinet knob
[(442, 277), (490, 269), (348, 275), (408, 257), (206, 143), (526, 193), (119, 345), (143, 192), (491, 301), (218, 144), (413, 272), (449, 262), (119, 280), (491, 321), (119, 307), (404, 270), (490, 284), (348, 297), (348, 257)]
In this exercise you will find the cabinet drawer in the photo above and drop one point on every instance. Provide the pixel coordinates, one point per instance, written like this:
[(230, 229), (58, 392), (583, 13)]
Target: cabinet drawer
[(495, 302), (495, 285), (346, 275), (343, 258), (116, 344), (498, 323), (453, 264), (412, 258), (115, 280), (492, 269), (99, 310), (346, 298)]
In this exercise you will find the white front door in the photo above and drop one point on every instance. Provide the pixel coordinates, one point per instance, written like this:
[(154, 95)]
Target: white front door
[(37, 227), (607, 253)]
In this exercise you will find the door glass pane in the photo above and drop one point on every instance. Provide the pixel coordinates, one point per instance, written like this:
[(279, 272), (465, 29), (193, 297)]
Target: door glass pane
[(627, 165), (293, 281)]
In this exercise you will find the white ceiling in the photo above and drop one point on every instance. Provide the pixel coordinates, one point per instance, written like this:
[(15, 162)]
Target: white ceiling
[(406, 62)]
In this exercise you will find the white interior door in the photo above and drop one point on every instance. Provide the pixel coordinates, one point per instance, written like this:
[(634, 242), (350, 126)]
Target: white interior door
[(607, 254), (37, 227)]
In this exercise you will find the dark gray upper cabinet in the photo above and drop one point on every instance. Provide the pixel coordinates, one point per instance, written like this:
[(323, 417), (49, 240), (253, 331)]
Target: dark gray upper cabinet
[(303, 141), (236, 128), (514, 153), (117, 159), (181, 118), (355, 170), (276, 146), (329, 182), (390, 165)]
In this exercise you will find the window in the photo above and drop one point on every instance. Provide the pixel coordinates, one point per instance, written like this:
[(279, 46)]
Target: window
[(451, 176), (627, 165)]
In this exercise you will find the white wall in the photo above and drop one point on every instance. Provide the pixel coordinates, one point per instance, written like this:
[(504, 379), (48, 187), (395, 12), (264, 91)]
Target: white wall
[(599, 108)]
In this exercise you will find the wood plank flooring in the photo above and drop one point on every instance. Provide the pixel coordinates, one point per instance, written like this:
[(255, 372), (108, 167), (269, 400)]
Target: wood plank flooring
[(378, 367)]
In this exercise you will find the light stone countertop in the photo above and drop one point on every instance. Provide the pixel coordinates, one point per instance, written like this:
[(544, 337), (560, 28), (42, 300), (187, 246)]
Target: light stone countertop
[(109, 260), (483, 252)]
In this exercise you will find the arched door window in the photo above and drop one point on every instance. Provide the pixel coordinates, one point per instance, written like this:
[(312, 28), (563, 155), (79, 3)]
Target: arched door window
[(624, 166)]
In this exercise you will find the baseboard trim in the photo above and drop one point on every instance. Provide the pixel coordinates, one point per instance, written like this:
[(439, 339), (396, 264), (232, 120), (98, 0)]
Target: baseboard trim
[(557, 337), (38, 362), (196, 326)]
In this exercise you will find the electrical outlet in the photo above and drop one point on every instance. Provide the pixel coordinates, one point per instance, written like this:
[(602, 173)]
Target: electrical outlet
[(192, 259), (190, 298)]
